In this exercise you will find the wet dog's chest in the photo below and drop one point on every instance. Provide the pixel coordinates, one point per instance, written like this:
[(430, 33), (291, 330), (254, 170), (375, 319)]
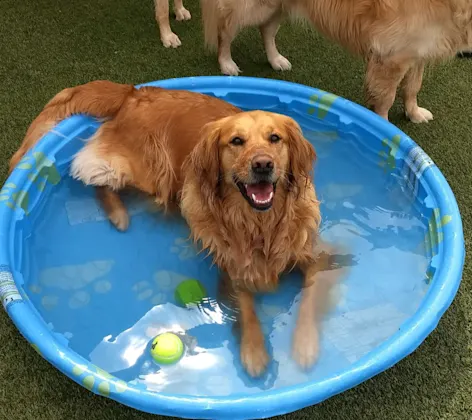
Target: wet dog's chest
[(258, 243), (263, 264)]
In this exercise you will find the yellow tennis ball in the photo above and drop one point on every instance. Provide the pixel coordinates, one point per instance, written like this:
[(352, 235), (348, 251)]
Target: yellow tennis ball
[(167, 348)]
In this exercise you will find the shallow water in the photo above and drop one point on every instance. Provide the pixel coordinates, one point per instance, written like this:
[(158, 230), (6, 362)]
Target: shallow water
[(107, 294)]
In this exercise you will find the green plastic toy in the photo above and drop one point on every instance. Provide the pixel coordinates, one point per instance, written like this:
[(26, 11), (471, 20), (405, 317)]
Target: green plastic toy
[(167, 348), (190, 292)]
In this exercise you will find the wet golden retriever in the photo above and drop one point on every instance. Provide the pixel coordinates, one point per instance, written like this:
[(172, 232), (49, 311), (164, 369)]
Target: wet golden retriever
[(242, 179), (395, 37)]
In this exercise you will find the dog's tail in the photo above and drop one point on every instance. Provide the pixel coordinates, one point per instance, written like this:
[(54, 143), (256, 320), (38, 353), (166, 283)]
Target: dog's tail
[(210, 13), (101, 99)]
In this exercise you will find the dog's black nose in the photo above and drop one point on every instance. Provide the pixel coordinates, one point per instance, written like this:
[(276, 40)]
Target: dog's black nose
[(262, 164)]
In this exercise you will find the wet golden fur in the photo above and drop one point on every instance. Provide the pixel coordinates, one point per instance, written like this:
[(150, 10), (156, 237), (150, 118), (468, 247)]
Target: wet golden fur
[(176, 146), (395, 37), (252, 246)]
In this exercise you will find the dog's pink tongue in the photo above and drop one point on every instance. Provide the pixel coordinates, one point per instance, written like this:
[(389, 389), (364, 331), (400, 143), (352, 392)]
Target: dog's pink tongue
[(260, 192)]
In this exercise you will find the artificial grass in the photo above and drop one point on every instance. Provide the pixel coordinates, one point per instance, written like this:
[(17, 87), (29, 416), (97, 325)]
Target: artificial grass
[(52, 44)]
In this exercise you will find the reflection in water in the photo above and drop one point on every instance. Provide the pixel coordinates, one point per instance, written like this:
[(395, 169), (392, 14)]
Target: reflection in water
[(108, 294)]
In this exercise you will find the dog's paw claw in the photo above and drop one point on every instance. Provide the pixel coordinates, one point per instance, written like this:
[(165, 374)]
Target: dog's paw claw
[(254, 356), (182, 14), (229, 68), (120, 219), (171, 40), (419, 115), (280, 63)]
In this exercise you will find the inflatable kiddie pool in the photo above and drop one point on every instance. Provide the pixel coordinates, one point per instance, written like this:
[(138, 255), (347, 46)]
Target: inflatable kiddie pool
[(90, 299)]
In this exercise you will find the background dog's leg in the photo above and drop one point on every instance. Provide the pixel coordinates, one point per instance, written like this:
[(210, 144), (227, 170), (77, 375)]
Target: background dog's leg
[(114, 207), (382, 79), (253, 352), (410, 87), (226, 33), (269, 31), (181, 13), (168, 38)]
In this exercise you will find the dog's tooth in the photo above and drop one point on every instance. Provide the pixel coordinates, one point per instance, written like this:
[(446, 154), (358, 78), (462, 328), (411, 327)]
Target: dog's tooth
[(254, 197), (270, 196)]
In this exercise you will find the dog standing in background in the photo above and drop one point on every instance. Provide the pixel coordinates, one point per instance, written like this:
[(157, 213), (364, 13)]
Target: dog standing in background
[(261, 13), (395, 37)]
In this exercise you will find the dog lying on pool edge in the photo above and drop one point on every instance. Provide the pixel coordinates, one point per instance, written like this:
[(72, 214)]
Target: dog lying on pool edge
[(242, 180)]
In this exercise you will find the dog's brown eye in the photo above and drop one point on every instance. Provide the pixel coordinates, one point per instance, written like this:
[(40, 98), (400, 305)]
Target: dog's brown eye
[(274, 138), (237, 141)]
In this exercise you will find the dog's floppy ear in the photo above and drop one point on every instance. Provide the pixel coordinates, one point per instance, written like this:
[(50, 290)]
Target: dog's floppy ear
[(302, 156), (205, 160)]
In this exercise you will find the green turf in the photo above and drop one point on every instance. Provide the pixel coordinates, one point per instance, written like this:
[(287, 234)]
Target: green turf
[(48, 45)]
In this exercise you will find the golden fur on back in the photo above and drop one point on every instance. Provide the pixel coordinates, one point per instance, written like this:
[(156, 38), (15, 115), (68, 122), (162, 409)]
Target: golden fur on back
[(193, 149), (426, 29), (396, 37)]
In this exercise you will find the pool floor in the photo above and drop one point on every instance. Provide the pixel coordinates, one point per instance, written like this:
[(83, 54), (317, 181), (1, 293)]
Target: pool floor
[(107, 293)]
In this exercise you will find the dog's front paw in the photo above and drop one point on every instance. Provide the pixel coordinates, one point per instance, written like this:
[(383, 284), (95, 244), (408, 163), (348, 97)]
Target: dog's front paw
[(254, 356), (119, 218), (305, 344), (419, 115), (280, 63), (229, 67), (170, 40), (182, 14)]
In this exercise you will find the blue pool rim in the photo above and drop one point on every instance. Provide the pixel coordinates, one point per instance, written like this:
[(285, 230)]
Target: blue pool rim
[(440, 295)]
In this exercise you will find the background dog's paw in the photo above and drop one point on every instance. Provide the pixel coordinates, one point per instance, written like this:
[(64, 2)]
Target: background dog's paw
[(171, 40), (280, 63), (305, 345), (254, 356), (229, 67), (182, 14), (419, 115)]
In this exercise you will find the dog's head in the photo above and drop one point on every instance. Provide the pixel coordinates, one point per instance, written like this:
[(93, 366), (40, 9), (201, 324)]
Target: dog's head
[(255, 152)]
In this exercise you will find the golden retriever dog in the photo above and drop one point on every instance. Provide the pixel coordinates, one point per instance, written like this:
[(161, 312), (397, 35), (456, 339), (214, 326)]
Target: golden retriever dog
[(243, 181), (395, 37)]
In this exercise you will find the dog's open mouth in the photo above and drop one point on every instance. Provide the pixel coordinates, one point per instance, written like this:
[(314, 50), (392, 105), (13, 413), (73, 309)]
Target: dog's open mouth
[(260, 195)]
